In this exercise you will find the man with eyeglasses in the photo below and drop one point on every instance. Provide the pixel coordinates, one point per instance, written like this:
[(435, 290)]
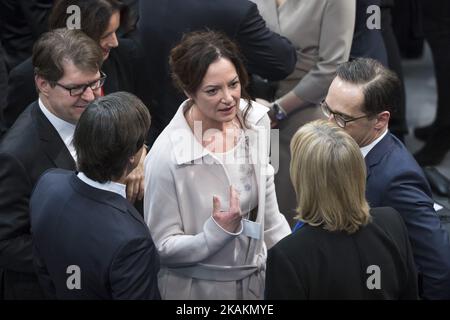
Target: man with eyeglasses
[(360, 100), (67, 77)]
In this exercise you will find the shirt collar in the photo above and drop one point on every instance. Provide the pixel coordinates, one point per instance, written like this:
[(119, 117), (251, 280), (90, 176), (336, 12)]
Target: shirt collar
[(365, 150), (64, 128), (111, 186)]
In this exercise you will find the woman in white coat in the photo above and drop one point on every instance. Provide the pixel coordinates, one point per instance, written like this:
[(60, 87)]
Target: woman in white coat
[(210, 200)]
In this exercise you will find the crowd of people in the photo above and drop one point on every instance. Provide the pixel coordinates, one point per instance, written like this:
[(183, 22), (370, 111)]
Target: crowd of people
[(226, 149)]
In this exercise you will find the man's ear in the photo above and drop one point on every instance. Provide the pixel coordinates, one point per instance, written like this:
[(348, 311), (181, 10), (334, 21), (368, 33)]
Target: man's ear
[(42, 85), (382, 120)]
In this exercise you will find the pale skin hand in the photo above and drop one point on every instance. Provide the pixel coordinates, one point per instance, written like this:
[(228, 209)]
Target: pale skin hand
[(229, 220), (135, 180)]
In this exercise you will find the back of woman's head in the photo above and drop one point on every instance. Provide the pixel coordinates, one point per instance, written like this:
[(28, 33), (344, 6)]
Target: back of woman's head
[(95, 15), (329, 177)]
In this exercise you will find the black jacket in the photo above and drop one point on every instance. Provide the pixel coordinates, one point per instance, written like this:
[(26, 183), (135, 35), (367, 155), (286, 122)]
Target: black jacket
[(313, 263), (162, 24), (30, 147), (21, 24), (95, 230)]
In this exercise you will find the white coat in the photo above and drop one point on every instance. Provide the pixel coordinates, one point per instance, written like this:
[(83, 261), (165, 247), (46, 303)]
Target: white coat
[(199, 259)]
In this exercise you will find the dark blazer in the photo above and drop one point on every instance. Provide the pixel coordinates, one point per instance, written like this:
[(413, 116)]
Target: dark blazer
[(394, 179), (313, 263), (98, 231), (21, 24), (3, 88), (162, 24), (29, 148), (367, 43), (122, 69)]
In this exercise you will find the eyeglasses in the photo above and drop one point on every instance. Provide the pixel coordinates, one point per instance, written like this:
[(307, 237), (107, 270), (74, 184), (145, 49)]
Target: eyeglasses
[(341, 120), (79, 90)]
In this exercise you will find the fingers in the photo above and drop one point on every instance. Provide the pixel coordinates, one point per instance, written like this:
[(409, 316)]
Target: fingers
[(140, 194), (234, 200), (216, 204), (131, 192)]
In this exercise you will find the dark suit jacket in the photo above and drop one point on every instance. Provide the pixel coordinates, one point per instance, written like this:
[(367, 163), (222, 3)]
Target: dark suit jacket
[(394, 179), (21, 24), (367, 43), (29, 148), (313, 263), (98, 231), (3, 88), (122, 69), (162, 24)]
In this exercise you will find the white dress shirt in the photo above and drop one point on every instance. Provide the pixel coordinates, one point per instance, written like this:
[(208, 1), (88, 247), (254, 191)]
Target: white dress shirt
[(111, 186), (64, 128), (365, 150)]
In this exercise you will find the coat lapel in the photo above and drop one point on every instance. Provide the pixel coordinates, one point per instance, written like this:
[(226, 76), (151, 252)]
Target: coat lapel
[(52, 143), (377, 153)]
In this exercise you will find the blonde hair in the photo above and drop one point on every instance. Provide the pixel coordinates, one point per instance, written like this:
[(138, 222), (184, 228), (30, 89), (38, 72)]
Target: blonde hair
[(329, 177)]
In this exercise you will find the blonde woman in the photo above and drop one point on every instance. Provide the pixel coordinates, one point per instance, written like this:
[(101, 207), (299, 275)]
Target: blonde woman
[(345, 250)]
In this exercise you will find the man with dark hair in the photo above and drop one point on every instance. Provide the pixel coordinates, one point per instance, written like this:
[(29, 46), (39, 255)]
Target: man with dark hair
[(67, 64), (359, 100), (267, 54), (84, 219)]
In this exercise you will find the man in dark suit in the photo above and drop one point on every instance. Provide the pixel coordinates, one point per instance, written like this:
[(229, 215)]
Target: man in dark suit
[(162, 24), (359, 100), (89, 241), (67, 66)]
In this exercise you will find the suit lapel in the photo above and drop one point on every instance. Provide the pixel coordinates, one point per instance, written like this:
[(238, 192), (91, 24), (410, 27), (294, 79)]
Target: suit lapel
[(376, 154), (51, 141)]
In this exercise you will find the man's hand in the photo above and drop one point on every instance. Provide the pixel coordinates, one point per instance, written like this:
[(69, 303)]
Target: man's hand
[(135, 180)]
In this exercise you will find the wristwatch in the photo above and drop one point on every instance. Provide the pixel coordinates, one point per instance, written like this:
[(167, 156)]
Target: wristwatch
[(278, 111)]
